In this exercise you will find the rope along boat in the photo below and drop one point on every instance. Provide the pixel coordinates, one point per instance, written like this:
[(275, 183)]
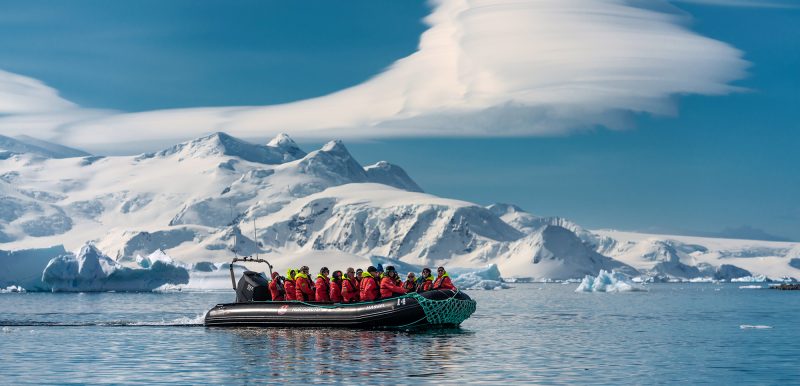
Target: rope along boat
[(437, 308)]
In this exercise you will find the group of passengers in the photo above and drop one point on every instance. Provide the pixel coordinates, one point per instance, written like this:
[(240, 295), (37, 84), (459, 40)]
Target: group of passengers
[(354, 285)]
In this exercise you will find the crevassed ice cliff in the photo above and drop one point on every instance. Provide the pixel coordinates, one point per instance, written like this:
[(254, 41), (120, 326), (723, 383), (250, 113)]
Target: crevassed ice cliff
[(200, 200)]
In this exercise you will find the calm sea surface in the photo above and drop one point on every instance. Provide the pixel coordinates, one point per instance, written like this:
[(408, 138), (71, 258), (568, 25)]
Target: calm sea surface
[(533, 333)]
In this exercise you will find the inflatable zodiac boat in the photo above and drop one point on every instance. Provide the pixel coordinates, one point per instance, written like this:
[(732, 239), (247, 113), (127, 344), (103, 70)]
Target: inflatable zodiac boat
[(437, 308)]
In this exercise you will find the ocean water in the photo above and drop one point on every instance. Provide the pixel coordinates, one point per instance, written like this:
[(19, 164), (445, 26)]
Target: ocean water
[(531, 334)]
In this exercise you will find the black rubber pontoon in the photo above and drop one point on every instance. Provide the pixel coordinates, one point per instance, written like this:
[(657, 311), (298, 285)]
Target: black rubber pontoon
[(437, 308)]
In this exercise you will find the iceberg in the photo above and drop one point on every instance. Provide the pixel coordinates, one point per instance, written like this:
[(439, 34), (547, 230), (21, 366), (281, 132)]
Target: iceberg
[(12, 289), (751, 279), (487, 278), (23, 268), (92, 271), (608, 282)]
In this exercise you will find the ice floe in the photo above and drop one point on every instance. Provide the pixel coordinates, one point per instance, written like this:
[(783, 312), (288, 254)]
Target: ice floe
[(608, 282)]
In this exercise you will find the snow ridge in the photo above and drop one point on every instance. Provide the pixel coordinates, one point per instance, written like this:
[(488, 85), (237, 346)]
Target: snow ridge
[(200, 200)]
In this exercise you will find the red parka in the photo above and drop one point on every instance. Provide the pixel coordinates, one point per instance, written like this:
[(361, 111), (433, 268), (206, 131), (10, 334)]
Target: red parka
[(349, 290), (389, 287), (410, 285), (288, 284), (369, 288), (302, 288), (426, 285), (323, 289), (274, 290), (443, 282), (336, 291)]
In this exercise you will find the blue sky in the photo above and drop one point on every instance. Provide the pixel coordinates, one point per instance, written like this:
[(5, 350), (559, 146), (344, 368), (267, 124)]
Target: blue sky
[(727, 161)]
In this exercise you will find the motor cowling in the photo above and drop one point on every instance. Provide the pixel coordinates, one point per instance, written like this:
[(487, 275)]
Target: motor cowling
[(252, 287)]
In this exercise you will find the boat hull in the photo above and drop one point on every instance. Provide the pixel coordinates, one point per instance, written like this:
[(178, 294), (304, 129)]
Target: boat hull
[(398, 313)]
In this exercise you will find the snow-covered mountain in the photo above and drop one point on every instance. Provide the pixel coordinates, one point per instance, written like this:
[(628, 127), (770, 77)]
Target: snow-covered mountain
[(201, 199), (24, 144)]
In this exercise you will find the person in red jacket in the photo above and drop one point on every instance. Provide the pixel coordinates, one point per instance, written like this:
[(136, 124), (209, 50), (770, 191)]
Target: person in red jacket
[(288, 285), (276, 288), (368, 288), (359, 275), (350, 287), (303, 289), (389, 285), (323, 286), (336, 287), (443, 280), (411, 283), (426, 281)]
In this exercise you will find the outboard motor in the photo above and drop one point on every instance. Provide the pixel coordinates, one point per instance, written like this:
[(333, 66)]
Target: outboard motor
[(252, 287)]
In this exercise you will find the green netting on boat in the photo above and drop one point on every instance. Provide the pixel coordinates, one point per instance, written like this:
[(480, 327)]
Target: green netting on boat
[(449, 311)]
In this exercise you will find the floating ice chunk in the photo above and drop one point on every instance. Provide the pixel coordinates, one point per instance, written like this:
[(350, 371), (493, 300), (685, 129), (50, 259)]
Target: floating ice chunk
[(750, 287), (750, 279), (755, 327), (608, 282), (92, 271), (12, 289), (158, 255), (487, 277)]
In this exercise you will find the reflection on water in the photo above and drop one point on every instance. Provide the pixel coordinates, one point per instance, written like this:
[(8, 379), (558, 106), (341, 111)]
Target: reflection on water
[(325, 354), (533, 333)]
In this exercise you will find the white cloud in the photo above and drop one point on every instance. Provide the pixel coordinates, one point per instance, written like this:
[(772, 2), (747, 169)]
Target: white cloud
[(484, 67), (744, 3), (24, 95)]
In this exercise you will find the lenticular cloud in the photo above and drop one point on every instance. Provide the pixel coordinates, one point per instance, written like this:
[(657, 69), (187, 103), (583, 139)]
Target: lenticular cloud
[(485, 67)]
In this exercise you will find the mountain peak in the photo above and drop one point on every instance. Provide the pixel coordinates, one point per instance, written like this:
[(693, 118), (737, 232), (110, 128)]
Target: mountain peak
[(389, 174), (500, 209), (222, 144), (282, 140), (335, 146), (287, 145)]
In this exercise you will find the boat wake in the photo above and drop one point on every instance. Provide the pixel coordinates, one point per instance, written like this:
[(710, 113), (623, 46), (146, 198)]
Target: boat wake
[(184, 321)]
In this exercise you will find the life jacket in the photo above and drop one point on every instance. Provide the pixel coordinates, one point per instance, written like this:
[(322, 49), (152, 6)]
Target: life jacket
[(427, 284), (276, 288), (443, 282), (288, 284), (389, 288), (410, 285), (368, 289), (302, 288), (336, 291), (349, 290), (323, 289)]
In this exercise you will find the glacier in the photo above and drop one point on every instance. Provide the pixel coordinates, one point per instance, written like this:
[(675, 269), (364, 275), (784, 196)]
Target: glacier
[(203, 200)]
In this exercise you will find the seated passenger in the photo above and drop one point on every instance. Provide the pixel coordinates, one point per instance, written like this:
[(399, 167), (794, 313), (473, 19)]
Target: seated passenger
[(336, 287), (288, 285), (411, 283), (425, 281), (359, 273), (303, 289), (368, 288), (443, 280), (323, 286), (349, 287), (276, 288), (389, 285)]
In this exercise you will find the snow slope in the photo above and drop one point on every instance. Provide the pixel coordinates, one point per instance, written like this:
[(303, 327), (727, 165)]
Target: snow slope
[(202, 200), (24, 144), (713, 257)]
